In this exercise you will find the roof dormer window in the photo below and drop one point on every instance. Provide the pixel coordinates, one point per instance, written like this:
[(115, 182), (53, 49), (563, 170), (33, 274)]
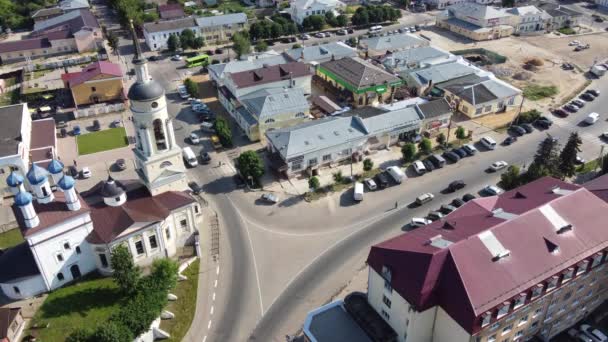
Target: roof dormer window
[(582, 266), (597, 259), (504, 309), (537, 290), (520, 300), (552, 283), (568, 275), (486, 318)]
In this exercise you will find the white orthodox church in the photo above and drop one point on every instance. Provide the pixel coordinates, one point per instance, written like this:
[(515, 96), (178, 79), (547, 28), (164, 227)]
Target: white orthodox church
[(69, 234)]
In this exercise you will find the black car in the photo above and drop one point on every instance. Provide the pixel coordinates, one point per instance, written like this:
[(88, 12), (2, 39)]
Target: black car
[(571, 108), (63, 132), (72, 171), (560, 112), (205, 157), (509, 140), (219, 51), (587, 97), (153, 58), (428, 165), (460, 152), (447, 208), (468, 197), (543, 122), (209, 52), (382, 180), (434, 216), (593, 92), (121, 164), (451, 156), (196, 189), (351, 31), (96, 125), (456, 185), (517, 130), (527, 127), (457, 202)]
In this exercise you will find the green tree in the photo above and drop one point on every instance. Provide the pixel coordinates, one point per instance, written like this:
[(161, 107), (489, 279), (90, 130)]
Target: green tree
[(425, 146), (508, 3), (296, 46), (113, 42), (126, 274), (604, 164), (191, 86), (408, 151), (545, 160), (187, 39), (79, 335), (198, 43), (173, 43), (112, 332), (261, 46), (222, 128), (313, 22), (342, 20), (338, 177), (528, 116), (567, 158), (276, 30), (313, 183), (150, 17), (164, 273), (511, 179), (441, 139), (241, 44), (251, 165), (368, 164), (360, 18), (461, 133), (330, 19)]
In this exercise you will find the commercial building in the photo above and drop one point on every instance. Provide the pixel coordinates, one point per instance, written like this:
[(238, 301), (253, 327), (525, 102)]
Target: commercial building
[(301, 9), (98, 82), (421, 81), (316, 54), (476, 21), (381, 45), (360, 82), (529, 262), (531, 20), (157, 34), (312, 145), (218, 72), (437, 115), (221, 28), (416, 58), (559, 16), (272, 108)]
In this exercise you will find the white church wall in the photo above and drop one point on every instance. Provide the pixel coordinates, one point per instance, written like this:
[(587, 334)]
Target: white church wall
[(24, 287)]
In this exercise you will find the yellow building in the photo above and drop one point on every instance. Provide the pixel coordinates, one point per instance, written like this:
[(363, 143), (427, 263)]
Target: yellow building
[(96, 83)]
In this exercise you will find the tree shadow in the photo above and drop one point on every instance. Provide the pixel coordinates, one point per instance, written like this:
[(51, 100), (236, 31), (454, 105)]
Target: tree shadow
[(80, 302), (291, 201), (346, 198), (223, 185)]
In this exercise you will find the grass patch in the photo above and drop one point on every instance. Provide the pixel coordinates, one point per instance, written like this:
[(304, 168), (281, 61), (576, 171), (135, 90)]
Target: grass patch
[(105, 140), (11, 238), (85, 304), (566, 30), (185, 305), (589, 166), (536, 92), (351, 9)]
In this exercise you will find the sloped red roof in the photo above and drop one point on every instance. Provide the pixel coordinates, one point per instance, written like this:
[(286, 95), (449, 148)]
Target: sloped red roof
[(464, 278), (598, 186), (171, 11), (269, 74), (92, 70)]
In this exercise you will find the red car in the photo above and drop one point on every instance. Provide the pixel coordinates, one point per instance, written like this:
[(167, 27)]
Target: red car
[(560, 112)]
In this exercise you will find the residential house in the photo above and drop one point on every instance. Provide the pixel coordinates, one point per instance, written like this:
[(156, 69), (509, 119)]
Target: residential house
[(269, 109), (476, 96), (416, 58), (96, 83), (529, 262), (157, 34), (421, 81), (361, 82), (531, 20), (437, 115), (301, 9), (559, 16), (23, 142), (171, 11), (46, 13), (312, 145), (261, 3), (74, 31), (217, 72), (477, 22), (73, 5), (377, 46), (238, 84), (221, 28), (442, 4), (12, 324), (316, 54)]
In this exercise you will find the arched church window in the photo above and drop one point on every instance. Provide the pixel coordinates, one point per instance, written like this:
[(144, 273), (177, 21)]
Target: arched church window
[(159, 135), (165, 164)]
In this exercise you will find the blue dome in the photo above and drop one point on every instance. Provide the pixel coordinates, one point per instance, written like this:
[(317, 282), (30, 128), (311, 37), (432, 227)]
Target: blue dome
[(55, 167), (36, 175), (66, 182), (23, 198), (14, 179)]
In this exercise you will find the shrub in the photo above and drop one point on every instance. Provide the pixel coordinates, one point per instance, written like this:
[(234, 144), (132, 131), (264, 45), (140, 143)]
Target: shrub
[(441, 139), (79, 335), (191, 87), (313, 183), (529, 116), (461, 133), (425, 146), (126, 274), (222, 128), (251, 165), (368, 164), (535, 61), (112, 332), (409, 152), (338, 177), (536, 92)]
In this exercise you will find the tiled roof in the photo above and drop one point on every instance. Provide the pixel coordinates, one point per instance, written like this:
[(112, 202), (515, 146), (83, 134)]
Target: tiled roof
[(321, 53), (43, 133), (358, 72), (170, 25), (464, 275), (269, 74), (25, 44), (17, 262), (47, 12), (74, 21), (267, 103), (598, 186), (92, 70)]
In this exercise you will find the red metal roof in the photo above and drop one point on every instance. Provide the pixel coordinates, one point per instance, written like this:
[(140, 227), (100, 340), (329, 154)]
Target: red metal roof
[(463, 278), (92, 70), (171, 11), (43, 133), (268, 74), (598, 186)]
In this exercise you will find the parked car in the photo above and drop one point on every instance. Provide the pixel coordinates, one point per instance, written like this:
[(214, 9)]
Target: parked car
[(121, 164), (402, 30), (447, 208), (63, 132), (571, 108), (351, 30), (194, 139), (560, 112), (460, 152), (509, 140), (437, 160), (115, 123), (342, 32), (86, 172), (370, 184), (219, 51), (604, 135), (396, 173), (319, 35), (196, 189), (428, 165), (527, 127), (153, 58), (493, 190), (417, 222), (382, 180), (451, 156), (418, 166), (305, 37), (517, 130), (176, 58), (543, 122), (592, 118), (205, 157), (579, 160), (593, 92), (76, 130), (498, 165), (434, 216), (587, 97), (424, 198), (270, 198), (596, 334), (579, 103), (470, 149), (72, 171), (468, 197), (61, 124), (457, 202), (456, 185)]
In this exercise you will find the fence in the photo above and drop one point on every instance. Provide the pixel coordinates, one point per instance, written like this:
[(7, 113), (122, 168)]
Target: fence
[(59, 64), (98, 109), (491, 57)]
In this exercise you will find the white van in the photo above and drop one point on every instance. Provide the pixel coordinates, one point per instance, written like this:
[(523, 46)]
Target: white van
[(419, 167), (396, 173), (488, 142), (358, 191), (189, 157), (592, 118), (375, 29)]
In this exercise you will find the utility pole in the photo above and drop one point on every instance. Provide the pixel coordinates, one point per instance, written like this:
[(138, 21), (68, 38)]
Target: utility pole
[(521, 105), (601, 159)]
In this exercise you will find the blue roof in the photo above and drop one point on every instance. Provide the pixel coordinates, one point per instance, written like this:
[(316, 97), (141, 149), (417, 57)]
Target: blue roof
[(36, 175), (23, 198), (55, 167), (14, 179), (66, 182)]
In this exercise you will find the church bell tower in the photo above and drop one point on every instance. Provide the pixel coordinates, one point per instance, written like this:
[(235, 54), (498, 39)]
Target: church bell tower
[(158, 158)]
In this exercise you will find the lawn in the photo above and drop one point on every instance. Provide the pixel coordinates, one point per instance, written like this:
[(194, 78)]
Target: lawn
[(589, 166), (566, 30), (536, 92), (82, 305), (11, 238), (105, 140), (185, 305)]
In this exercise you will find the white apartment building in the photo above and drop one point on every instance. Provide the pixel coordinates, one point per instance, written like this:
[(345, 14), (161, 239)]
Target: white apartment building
[(301, 9)]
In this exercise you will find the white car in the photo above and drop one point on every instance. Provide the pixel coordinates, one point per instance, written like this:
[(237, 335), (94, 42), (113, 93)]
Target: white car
[(592, 118), (370, 184), (419, 167), (493, 190), (499, 165), (305, 37), (574, 43), (86, 172), (320, 35), (183, 92), (595, 334), (417, 222), (271, 198), (176, 58), (194, 139)]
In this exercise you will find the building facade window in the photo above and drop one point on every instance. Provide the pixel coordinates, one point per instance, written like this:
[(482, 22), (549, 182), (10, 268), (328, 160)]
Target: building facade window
[(386, 301), (385, 315), (153, 242), (168, 233), (507, 329), (139, 247), (552, 283), (184, 224), (59, 257), (16, 289), (66, 245), (504, 309), (78, 251), (327, 157), (60, 276), (104, 260)]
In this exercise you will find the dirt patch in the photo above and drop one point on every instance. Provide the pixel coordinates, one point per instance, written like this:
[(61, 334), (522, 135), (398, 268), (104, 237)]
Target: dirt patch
[(585, 58)]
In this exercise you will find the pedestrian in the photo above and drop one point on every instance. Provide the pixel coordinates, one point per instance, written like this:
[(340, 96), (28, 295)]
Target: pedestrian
[(396, 204)]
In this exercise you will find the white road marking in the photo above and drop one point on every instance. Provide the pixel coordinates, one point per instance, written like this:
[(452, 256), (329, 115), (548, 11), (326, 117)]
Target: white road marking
[(211, 312), (215, 285), (217, 270), (209, 325), (205, 338), (213, 296)]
